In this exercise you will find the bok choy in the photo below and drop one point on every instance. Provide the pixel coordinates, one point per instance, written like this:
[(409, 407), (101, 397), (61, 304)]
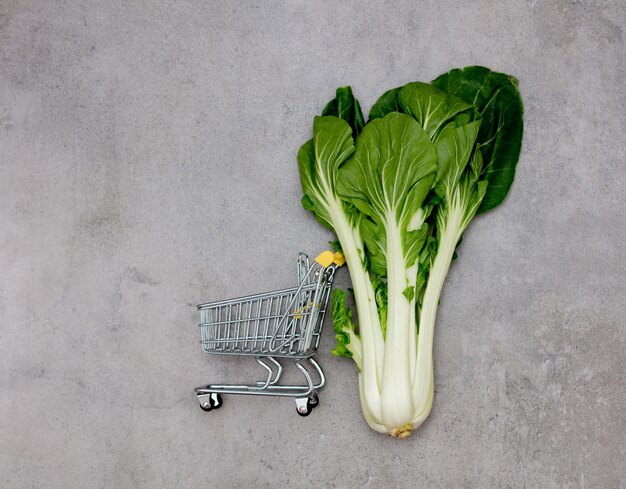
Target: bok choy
[(399, 191)]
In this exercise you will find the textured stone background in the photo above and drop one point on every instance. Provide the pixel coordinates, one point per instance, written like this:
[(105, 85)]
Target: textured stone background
[(147, 163)]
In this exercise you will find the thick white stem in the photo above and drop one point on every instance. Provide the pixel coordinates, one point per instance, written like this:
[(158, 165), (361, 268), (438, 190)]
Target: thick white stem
[(424, 375), (374, 422), (397, 401), (412, 273), (372, 342)]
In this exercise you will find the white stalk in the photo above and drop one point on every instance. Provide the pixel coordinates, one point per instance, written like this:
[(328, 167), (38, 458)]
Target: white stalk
[(372, 342), (412, 273), (373, 422), (397, 402), (415, 223), (451, 229)]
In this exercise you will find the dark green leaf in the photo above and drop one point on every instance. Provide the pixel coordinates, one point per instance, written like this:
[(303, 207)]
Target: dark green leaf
[(388, 102), (319, 160), (346, 107), (388, 178), (454, 149), (431, 107), (498, 101), (342, 323), (393, 155), (336, 245)]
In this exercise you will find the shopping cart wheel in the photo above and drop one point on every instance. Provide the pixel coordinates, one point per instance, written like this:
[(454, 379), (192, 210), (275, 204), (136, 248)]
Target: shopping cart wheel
[(216, 400), (302, 407), (313, 400), (213, 401)]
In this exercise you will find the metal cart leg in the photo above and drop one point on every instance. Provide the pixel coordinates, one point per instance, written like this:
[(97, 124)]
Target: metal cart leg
[(304, 405), (305, 395), (279, 371)]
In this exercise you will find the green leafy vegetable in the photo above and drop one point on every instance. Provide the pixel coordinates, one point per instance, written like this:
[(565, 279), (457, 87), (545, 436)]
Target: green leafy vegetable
[(346, 107), (497, 99), (399, 192)]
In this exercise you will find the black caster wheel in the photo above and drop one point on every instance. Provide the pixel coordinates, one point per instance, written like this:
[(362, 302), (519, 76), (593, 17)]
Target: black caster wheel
[(313, 401), (214, 401)]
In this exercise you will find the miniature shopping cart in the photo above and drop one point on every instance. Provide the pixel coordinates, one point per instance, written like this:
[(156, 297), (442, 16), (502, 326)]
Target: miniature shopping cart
[(281, 324)]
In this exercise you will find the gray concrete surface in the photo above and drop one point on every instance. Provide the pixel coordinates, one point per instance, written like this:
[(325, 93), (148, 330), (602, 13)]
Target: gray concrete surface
[(147, 163)]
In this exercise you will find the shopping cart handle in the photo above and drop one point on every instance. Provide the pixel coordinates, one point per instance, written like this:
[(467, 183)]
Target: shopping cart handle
[(325, 258), (339, 259)]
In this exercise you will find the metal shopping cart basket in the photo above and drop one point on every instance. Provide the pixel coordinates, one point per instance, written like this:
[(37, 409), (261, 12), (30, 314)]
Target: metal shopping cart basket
[(282, 324)]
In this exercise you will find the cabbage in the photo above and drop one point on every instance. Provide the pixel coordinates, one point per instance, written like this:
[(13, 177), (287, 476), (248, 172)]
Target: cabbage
[(399, 191)]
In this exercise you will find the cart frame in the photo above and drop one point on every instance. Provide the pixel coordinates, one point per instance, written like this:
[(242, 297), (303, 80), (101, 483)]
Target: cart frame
[(269, 326)]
